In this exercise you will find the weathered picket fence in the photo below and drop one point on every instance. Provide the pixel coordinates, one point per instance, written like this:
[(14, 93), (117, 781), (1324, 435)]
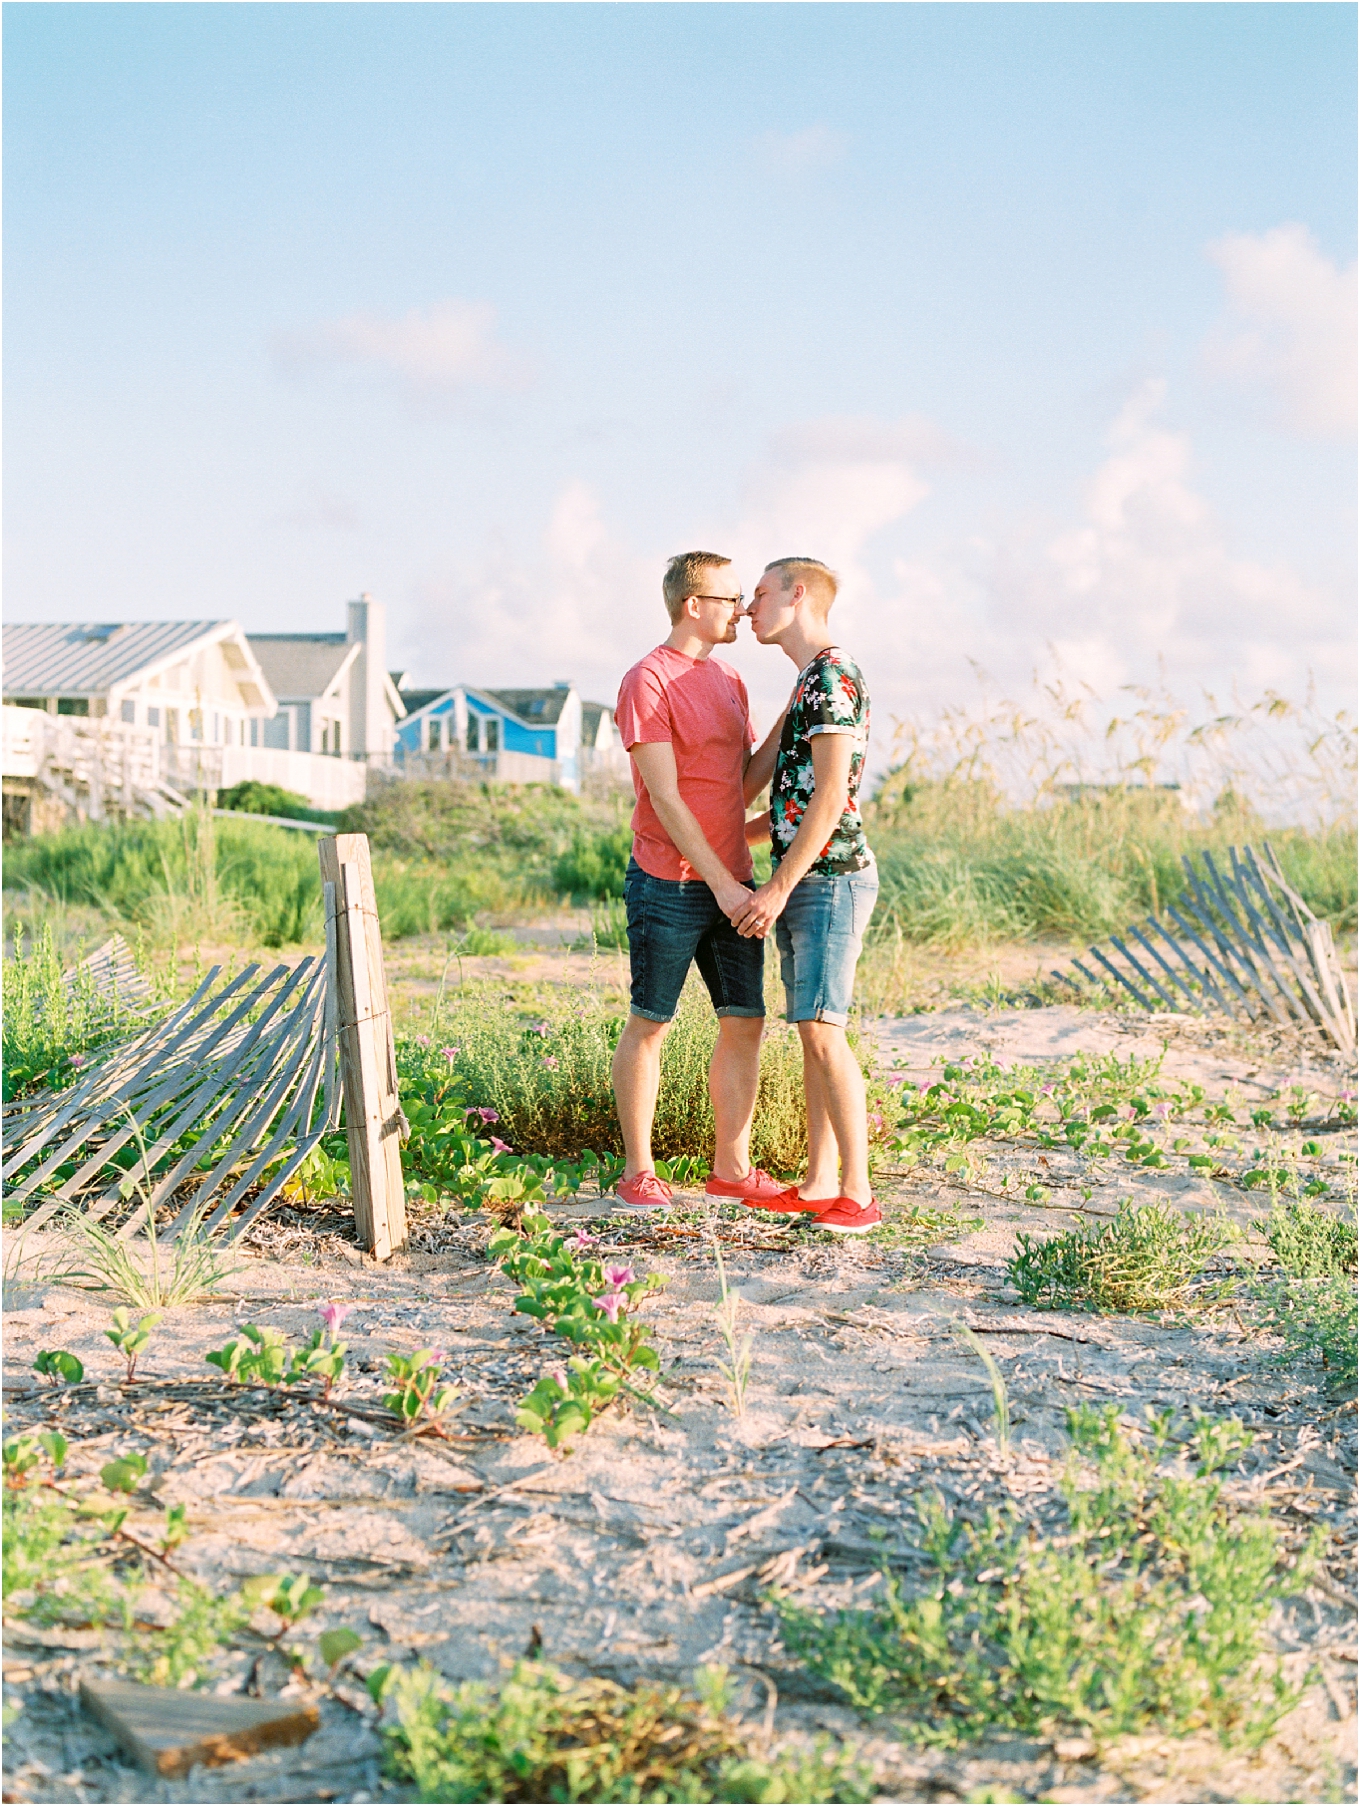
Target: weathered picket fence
[(220, 1101), (1242, 941)]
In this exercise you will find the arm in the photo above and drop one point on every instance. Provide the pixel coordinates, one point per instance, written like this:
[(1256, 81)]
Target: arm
[(831, 755), (758, 830), (760, 764), (655, 761)]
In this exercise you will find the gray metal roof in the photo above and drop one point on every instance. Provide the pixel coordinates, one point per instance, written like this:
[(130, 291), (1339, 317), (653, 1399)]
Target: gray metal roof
[(300, 664), (85, 658), (416, 700), (591, 713), (537, 708)]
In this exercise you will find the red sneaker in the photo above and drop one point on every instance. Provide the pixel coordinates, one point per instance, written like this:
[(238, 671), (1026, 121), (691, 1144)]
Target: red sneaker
[(644, 1191), (756, 1188), (787, 1203), (845, 1217)]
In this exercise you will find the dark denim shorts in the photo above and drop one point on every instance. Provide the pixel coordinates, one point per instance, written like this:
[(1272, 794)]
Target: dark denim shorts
[(671, 923), (819, 937)]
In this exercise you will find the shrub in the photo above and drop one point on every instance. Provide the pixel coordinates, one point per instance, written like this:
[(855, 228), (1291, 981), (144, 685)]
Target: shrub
[(267, 799), (1149, 1612), (1147, 1258)]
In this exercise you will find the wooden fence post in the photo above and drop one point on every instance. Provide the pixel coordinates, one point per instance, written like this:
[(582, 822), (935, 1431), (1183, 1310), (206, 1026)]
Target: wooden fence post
[(368, 1069)]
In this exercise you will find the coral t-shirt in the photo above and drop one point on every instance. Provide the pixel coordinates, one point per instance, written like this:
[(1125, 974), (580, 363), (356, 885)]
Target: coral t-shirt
[(699, 705)]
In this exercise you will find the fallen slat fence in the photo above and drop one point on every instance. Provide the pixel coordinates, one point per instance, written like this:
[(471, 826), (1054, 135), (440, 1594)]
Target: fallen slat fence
[(1242, 941), (212, 1110)]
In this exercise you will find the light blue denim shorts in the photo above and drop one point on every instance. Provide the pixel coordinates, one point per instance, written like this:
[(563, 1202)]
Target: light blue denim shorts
[(819, 936)]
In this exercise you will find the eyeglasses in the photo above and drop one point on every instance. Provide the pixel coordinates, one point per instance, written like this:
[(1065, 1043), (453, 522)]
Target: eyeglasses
[(738, 599)]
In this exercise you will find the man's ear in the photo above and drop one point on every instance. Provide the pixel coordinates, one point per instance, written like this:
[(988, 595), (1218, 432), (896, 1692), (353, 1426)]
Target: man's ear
[(690, 606)]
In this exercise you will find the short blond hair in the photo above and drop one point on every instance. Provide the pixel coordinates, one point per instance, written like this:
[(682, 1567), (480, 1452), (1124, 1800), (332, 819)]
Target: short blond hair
[(684, 574), (818, 579)]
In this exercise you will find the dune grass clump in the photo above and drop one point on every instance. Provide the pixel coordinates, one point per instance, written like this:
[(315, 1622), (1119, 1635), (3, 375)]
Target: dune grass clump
[(548, 1078), (188, 879), (1148, 1612), (1059, 814), (1148, 1258)]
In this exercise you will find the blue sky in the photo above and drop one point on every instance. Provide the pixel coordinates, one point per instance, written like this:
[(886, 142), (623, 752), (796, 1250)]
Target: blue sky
[(1036, 321)]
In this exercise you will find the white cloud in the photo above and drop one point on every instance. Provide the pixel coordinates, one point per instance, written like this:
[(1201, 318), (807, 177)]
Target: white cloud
[(1290, 329), (1142, 579), (791, 153), (434, 353)]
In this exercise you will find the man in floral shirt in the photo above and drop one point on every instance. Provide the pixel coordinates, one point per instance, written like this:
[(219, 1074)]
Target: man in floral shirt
[(822, 891)]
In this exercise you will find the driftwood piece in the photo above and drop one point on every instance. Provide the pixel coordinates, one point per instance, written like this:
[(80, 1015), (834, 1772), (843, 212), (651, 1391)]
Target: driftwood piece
[(1246, 944), (169, 1731)]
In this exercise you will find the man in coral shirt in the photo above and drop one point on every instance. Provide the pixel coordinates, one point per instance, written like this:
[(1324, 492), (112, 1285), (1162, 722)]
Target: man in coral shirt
[(685, 720)]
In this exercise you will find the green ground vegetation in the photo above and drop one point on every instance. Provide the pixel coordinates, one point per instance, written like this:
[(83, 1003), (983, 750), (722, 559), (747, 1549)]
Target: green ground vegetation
[(1143, 1608), (544, 1735), (957, 867), (1309, 1299)]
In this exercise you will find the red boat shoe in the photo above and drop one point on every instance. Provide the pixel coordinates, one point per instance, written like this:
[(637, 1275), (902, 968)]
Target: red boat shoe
[(845, 1217), (644, 1191), (756, 1188)]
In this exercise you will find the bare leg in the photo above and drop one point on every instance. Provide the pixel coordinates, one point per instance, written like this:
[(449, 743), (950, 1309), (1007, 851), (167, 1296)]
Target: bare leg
[(733, 1080), (823, 1171), (637, 1079), (842, 1096)]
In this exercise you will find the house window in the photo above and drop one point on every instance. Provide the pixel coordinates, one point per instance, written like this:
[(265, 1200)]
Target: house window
[(128, 712), (153, 717), (172, 727), (217, 730), (493, 735), (474, 734), (73, 705), (195, 724), (436, 734)]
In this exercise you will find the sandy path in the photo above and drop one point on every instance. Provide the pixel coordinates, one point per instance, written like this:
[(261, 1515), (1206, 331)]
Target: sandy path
[(647, 1550)]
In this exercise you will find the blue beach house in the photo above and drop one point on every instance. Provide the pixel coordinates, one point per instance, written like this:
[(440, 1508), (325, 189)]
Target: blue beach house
[(509, 736)]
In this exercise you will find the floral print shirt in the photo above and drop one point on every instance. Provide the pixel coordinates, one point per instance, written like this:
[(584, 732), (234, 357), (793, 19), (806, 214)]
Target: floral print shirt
[(830, 699)]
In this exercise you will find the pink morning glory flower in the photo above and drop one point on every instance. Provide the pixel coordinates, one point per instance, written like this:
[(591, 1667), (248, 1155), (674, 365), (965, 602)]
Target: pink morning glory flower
[(548, 1060), (332, 1316), (500, 1147), (897, 1078), (77, 1059), (581, 1240), (539, 1028), (618, 1276), (450, 1054), (560, 1375), (611, 1303), (487, 1115), (422, 1040)]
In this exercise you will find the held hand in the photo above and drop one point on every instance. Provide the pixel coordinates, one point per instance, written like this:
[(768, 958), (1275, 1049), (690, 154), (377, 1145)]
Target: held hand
[(733, 900), (763, 909)]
